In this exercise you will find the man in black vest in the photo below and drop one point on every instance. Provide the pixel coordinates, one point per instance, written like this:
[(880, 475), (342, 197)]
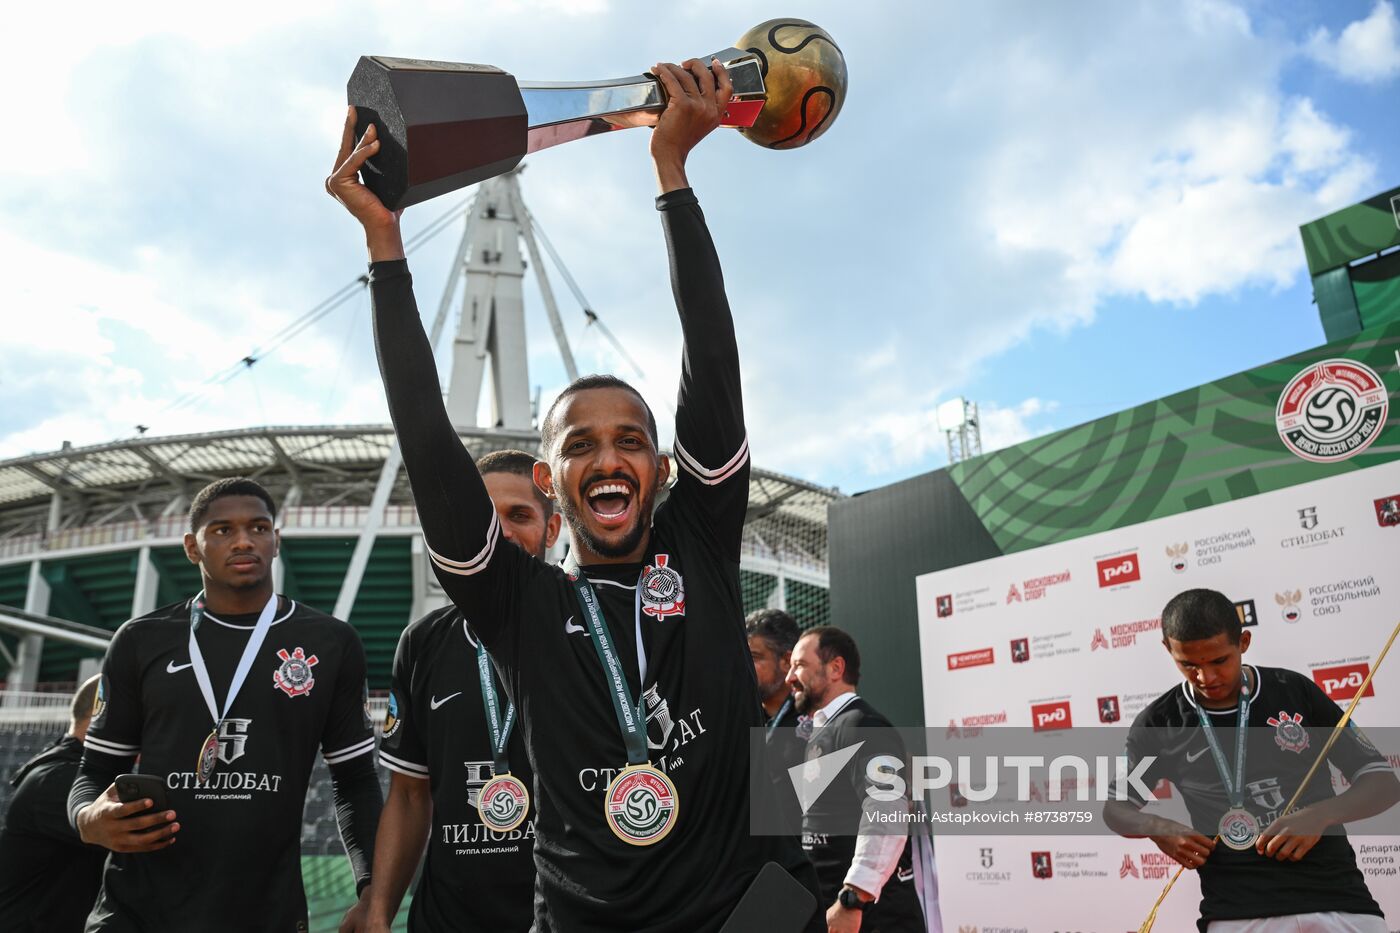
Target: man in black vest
[(866, 878)]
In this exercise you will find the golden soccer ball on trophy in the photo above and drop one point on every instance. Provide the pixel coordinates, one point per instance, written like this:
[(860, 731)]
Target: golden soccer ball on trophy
[(805, 74)]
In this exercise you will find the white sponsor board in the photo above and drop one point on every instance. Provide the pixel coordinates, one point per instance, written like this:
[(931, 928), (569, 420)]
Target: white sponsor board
[(1069, 634)]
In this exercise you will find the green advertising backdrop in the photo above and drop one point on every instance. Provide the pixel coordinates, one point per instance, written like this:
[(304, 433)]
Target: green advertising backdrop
[(1209, 444)]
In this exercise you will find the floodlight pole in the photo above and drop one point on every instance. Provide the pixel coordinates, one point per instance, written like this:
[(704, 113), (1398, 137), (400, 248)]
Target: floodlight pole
[(492, 322), (965, 438), (491, 326)]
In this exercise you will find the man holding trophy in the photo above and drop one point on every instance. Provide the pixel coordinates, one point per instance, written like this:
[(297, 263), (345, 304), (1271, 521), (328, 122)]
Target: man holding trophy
[(629, 664)]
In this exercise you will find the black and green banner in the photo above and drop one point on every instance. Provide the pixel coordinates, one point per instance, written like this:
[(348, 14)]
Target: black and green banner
[(1211, 444)]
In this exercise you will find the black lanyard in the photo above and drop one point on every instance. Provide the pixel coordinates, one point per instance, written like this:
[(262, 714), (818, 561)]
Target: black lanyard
[(1234, 790), (630, 717), (500, 730)]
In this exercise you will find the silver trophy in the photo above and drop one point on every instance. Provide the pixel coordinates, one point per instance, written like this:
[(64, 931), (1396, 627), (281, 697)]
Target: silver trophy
[(446, 125)]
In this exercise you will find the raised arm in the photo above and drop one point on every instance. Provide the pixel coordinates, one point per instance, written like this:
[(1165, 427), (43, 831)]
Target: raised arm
[(711, 444), (459, 522)]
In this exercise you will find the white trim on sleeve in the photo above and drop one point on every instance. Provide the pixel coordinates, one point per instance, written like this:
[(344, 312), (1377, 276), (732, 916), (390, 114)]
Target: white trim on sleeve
[(112, 748), (718, 475), (478, 563), (408, 768), (1374, 767), (350, 751)]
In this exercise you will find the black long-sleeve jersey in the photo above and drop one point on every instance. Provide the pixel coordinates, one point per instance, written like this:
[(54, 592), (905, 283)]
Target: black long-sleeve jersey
[(436, 730), (48, 877), (1286, 707), (699, 693), (236, 861)]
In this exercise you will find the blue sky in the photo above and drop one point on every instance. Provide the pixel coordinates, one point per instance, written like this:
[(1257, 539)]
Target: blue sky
[(1056, 210)]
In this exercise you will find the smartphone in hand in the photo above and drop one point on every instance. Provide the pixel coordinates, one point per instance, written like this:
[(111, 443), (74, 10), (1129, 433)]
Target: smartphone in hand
[(132, 787)]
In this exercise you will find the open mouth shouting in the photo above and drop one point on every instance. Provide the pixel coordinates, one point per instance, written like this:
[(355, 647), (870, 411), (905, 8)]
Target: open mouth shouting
[(611, 501)]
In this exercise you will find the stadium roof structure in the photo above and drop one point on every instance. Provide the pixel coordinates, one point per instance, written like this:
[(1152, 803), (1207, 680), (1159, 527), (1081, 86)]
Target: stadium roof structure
[(94, 535), (103, 525), (123, 485)]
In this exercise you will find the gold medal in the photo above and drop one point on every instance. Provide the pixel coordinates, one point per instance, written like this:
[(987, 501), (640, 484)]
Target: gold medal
[(1239, 829), (641, 805), (208, 759), (503, 803)]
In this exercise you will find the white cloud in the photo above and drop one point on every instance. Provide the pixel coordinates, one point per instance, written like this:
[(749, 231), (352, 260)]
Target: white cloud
[(1367, 51), (1029, 172), (1005, 427)]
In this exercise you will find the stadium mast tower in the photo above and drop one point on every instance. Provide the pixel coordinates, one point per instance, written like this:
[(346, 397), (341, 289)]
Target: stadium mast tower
[(91, 536)]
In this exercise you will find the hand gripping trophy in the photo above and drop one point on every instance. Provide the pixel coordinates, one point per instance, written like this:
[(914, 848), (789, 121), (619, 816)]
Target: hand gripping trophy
[(446, 125)]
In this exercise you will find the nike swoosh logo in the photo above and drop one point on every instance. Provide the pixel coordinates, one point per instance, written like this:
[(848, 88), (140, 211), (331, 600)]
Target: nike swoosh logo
[(573, 628), (434, 703), (1190, 757), (172, 668)]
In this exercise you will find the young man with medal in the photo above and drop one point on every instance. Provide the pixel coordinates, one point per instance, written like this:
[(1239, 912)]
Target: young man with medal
[(629, 664), (1270, 871), (459, 780), (225, 697)]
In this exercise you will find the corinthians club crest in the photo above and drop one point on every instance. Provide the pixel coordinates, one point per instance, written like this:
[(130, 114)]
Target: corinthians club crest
[(1289, 733), (293, 676), (663, 591)]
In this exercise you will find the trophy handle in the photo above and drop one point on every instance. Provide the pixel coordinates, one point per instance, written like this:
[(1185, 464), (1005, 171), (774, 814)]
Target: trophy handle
[(563, 111)]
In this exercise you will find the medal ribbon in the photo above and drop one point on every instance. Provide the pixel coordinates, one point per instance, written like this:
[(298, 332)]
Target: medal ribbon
[(500, 731), (245, 663), (1235, 790), (629, 715)]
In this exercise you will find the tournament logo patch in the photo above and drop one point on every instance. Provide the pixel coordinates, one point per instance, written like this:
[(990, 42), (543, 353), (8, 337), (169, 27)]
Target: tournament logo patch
[(1289, 733), (663, 591), (1332, 411), (99, 702), (293, 676), (1361, 737), (391, 717)]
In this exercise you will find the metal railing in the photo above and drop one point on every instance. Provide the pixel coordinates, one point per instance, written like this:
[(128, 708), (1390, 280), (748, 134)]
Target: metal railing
[(173, 527), (35, 706)]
